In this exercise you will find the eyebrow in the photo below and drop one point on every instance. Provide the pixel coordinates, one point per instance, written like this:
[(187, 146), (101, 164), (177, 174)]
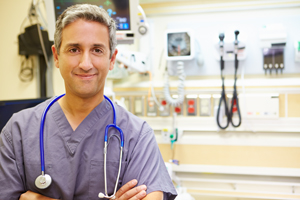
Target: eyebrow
[(78, 45)]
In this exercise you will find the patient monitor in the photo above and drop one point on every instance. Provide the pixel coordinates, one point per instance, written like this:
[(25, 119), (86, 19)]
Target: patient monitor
[(129, 16)]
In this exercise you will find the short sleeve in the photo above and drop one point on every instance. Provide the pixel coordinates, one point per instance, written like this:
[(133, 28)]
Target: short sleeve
[(147, 166), (11, 184)]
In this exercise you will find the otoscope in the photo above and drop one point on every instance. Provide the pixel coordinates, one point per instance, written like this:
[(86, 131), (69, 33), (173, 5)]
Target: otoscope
[(223, 95), (235, 99)]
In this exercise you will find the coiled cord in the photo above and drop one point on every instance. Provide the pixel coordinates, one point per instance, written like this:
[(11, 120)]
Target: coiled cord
[(180, 90)]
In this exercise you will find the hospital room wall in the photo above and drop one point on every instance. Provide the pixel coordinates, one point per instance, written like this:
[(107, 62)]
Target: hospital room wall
[(289, 106), (260, 148)]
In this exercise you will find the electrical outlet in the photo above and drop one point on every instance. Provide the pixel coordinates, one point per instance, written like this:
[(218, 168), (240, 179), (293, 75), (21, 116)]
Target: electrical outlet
[(191, 105), (166, 111), (127, 102), (151, 107), (139, 106), (205, 105), (178, 109)]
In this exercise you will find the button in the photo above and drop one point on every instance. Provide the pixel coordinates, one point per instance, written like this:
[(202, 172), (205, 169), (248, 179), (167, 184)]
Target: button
[(142, 30)]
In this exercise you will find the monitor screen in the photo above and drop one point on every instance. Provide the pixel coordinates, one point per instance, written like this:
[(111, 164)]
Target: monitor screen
[(8, 108), (117, 9)]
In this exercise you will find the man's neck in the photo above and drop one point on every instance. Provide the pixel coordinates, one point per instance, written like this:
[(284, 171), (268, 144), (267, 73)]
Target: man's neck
[(76, 109)]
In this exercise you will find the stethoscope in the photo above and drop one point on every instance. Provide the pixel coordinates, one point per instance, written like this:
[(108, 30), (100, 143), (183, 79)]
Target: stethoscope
[(44, 180)]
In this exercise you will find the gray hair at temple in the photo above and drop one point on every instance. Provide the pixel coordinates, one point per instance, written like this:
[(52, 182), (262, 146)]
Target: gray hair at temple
[(87, 12)]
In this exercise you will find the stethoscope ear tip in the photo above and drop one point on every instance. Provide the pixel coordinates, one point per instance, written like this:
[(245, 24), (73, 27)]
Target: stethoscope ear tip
[(101, 195)]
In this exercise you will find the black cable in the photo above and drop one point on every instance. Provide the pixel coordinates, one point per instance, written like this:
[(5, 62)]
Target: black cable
[(26, 71), (223, 94), (235, 99)]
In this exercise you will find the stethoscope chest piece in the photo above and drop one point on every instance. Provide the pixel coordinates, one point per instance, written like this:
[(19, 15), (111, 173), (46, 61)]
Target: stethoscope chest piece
[(43, 181)]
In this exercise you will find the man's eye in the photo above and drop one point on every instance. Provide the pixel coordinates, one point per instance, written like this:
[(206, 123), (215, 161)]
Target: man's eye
[(98, 50), (73, 50)]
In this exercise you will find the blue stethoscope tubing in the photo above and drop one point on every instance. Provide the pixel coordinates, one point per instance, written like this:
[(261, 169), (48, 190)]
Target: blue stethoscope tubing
[(44, 180)]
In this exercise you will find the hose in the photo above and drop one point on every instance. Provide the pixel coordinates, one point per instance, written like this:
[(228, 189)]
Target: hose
[(180, 90)]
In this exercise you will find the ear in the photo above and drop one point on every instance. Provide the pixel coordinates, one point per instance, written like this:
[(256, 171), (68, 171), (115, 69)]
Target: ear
[(113, 59), (55, 56)]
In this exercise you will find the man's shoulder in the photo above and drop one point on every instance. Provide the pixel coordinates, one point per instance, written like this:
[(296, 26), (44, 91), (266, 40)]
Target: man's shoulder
[(25, 116), (35, 110)]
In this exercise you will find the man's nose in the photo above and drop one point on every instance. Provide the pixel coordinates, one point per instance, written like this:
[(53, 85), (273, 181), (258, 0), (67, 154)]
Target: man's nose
[(86, 62)]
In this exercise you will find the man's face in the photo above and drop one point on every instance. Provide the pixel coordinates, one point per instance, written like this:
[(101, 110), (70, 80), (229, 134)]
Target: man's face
[(84, 58)]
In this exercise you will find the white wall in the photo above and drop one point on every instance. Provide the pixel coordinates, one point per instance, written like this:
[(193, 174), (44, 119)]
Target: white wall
[(207, 27), (12, 13)]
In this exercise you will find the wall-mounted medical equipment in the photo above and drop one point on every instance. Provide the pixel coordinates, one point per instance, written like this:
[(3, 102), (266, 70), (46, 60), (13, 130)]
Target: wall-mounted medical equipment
[(180, 47), (43, 181), (229, 48), (261, 106), (133, 61), (273, 41), (234, 109), (297, 51), (129, 16), (35, 41)]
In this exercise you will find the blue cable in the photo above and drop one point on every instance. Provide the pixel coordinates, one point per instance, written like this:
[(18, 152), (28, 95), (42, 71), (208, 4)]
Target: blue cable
[(42, 131)]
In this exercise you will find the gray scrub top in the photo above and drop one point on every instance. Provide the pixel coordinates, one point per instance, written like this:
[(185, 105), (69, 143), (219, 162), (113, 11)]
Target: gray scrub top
[(74, 159)]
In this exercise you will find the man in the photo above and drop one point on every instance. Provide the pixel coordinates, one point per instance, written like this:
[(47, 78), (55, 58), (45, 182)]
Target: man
[(74, 128)]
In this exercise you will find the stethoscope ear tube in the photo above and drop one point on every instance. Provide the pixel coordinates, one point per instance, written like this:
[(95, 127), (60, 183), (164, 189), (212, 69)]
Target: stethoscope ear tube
[(101, 195), (44, 180)]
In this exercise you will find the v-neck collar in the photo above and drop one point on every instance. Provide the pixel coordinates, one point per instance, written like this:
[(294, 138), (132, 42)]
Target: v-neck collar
[(72, 138)]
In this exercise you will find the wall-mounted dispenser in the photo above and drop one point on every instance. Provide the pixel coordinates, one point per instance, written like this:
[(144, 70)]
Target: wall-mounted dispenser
[(273, 41), (297, 51)]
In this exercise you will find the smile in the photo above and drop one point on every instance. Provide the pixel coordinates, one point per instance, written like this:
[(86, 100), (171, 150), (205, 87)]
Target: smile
[(86, 76)]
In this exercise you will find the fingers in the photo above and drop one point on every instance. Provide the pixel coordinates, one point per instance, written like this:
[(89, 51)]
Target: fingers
[(29, 195), (126, 187), (128, 192), (141, 194)]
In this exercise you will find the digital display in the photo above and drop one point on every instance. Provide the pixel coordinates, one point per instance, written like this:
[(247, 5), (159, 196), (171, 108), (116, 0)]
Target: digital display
[(117, 9)]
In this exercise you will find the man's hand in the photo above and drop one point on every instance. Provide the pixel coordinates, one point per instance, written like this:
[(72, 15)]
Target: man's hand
[(33, 196), (127, 192)]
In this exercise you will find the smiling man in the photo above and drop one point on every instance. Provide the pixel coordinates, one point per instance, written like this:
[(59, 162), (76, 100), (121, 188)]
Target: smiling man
[(84, 52)]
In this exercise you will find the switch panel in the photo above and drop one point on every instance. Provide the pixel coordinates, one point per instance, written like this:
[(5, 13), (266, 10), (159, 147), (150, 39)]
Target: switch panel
[(191, 105), (139, 106), (205, 105), (216, 101)]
